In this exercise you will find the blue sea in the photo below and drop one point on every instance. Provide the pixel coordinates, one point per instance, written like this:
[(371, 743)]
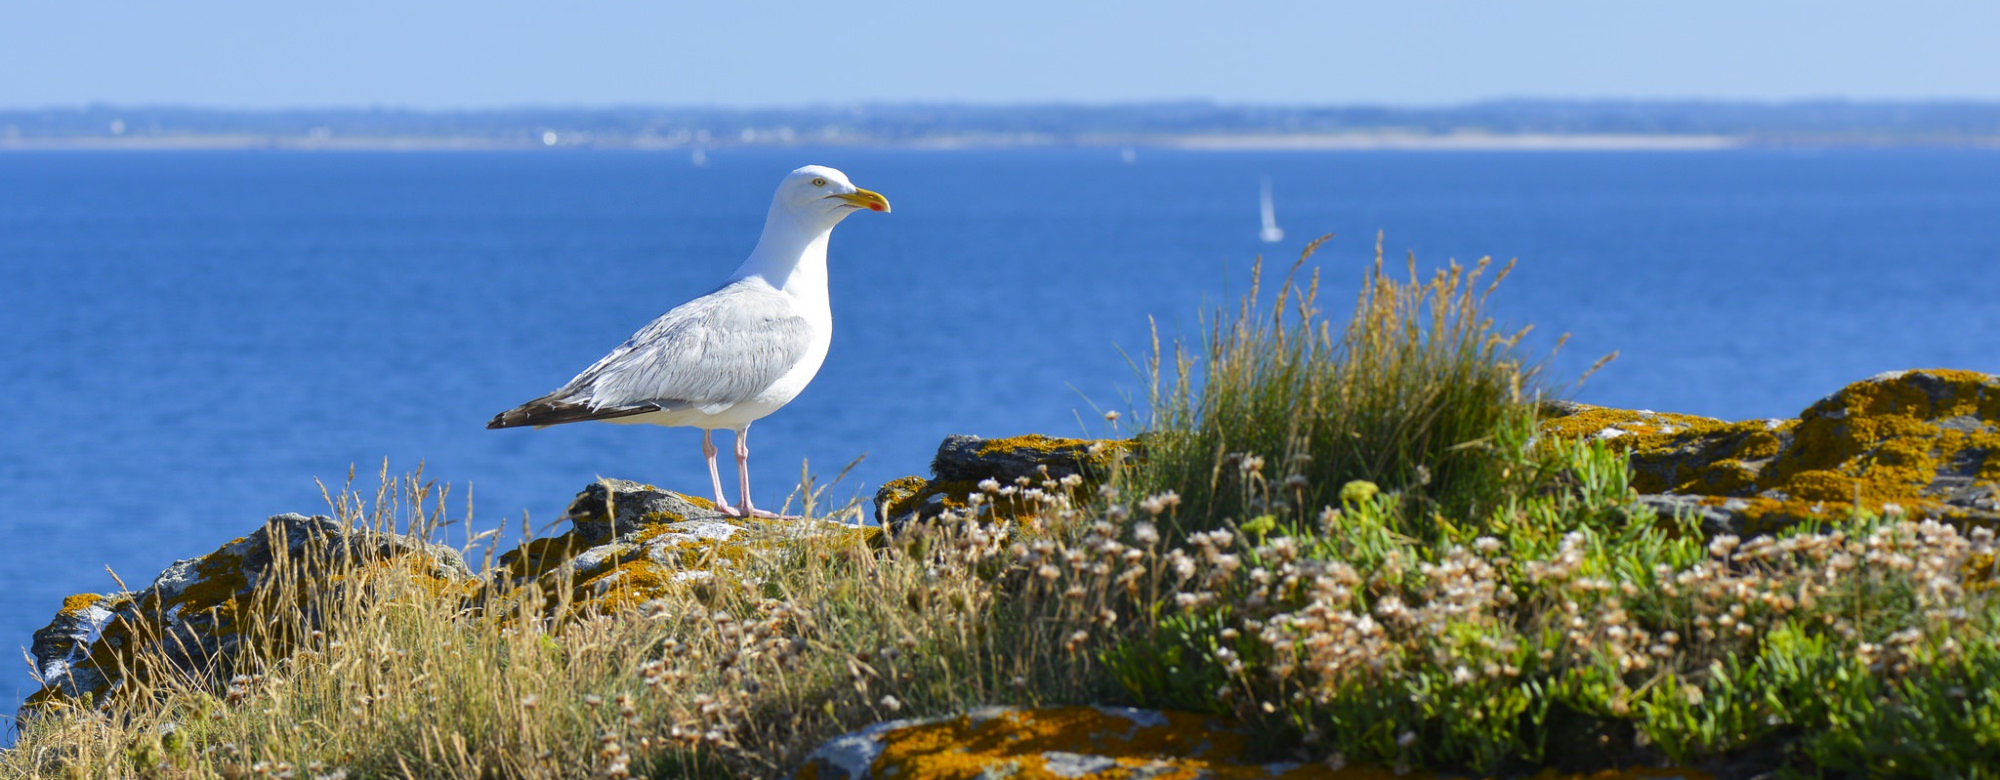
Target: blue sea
[(191, 339)]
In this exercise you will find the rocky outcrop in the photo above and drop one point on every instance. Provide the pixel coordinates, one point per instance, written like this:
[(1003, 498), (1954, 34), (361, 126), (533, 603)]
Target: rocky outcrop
[(1923, 443), (1015, 464), (629, 542), (198, 610), (1071, 743), (1066, 742)]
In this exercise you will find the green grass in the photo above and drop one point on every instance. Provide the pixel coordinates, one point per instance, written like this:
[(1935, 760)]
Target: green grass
[(1279, 407), (1349, 537)]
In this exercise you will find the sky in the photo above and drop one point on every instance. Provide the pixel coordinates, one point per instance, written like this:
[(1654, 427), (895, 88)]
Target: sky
[(446, 54)]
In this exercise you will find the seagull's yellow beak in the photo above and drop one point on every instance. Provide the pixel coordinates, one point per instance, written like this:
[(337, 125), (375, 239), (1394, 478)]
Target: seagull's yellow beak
[(867, 199)]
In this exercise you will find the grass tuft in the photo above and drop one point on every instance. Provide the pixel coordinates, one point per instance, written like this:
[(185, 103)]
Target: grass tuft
[(1408, 395)]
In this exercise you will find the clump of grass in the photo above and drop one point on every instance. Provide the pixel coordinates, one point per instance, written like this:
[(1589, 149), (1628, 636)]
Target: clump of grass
[(1407, 394)]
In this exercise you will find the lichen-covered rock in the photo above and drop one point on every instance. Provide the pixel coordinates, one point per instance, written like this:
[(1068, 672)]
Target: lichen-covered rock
[(963, 462), (68, 637), (629, 542), (1034, 456), (1921, 442), (1069, 743), (197, 609)]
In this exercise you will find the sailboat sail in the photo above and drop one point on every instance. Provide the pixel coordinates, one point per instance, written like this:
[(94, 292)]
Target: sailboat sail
[(1271, 233)]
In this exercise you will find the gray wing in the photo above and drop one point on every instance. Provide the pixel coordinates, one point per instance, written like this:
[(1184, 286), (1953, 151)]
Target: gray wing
[(709, 353)]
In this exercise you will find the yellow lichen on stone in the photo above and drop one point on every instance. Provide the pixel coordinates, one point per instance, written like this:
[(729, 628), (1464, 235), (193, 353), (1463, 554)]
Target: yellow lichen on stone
[(75, 605), (1071, 742), (966, 747), (1607, 423), (1926, 442), (626, 586), (1050, 445), (1892, 436)]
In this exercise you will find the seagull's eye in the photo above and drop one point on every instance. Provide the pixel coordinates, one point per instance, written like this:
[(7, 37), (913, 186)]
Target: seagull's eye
[(819, 182)]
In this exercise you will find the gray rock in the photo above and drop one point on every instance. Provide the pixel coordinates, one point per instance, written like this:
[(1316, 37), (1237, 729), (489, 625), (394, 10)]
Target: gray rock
[(1713, 519), (963, 457), (963, 461), (179, 608), (609, 508)]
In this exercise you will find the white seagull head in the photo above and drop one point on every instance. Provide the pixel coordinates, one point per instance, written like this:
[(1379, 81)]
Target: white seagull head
[(824, 195)]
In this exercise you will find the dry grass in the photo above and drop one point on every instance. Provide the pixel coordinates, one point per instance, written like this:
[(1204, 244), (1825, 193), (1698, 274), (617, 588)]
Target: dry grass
[(739, 676)]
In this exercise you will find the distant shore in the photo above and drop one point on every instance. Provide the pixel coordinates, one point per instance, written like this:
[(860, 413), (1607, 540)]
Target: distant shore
[(1539, 125), (1357, 141)]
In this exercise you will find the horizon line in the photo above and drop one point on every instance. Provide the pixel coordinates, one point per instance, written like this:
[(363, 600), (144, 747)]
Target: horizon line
[(96, 105)]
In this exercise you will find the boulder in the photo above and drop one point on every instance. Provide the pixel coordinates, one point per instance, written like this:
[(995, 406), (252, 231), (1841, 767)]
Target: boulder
[(1068, 742), (196, 610), (629, 542), (1906, 442), (996, 743), (1016, 463)]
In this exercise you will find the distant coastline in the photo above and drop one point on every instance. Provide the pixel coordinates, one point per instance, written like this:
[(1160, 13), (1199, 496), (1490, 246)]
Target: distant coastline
[(1498, 125), (1204, 142)]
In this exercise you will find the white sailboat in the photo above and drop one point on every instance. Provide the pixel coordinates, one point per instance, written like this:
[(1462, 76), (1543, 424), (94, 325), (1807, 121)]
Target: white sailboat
[(1271, 233)]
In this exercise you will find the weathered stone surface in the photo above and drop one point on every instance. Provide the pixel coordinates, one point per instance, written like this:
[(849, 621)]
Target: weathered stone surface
[(963, 462), (196, 609), (629, 542), (611, 507), (962, 457), (1918, 442), (1003, 743), (67, 639)]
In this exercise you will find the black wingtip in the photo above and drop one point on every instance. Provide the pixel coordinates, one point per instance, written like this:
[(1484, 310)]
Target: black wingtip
[(548, 410)]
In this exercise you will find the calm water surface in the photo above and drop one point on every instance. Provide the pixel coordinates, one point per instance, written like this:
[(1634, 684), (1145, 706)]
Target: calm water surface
[(191, 338)]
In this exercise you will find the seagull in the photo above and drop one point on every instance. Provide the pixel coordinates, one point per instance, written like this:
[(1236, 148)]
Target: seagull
[(728, 358)]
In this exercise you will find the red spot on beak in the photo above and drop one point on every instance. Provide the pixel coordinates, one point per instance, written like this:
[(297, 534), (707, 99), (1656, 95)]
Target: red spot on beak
[(874, 207)]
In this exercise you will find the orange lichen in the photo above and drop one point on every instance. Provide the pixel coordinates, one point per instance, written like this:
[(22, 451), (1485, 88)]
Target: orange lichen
[(1052, 446), (75, 605), (1028, 744), (628, 585)]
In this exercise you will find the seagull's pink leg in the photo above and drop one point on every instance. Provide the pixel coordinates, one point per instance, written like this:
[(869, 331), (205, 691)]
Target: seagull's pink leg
[(743, 477), (714, 476)]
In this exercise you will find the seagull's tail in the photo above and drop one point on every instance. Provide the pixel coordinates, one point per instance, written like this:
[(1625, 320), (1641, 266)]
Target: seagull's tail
[(555, 410)]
